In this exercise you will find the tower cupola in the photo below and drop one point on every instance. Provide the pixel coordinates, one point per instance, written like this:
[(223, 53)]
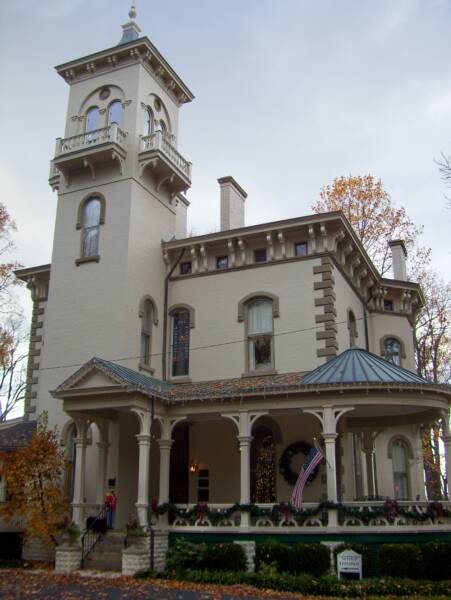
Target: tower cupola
[(130, 29)]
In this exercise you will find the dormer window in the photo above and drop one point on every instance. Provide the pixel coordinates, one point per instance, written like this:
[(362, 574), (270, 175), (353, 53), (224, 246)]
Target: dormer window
[(92, 119), (115, 113)]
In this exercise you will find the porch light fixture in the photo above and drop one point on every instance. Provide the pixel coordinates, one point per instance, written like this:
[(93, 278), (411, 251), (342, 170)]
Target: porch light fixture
[(193, 467)]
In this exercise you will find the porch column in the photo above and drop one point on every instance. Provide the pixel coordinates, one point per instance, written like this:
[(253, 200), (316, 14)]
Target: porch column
[(165, 464), (78, 500), (447, 443), (329, 417), (368, 446), (143, 437), (244, 422), (331, 468), (102, 460)]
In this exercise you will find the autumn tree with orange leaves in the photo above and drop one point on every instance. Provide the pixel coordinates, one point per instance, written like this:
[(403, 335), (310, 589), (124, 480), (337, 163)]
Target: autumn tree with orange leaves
[(33, 476), (376, 220)]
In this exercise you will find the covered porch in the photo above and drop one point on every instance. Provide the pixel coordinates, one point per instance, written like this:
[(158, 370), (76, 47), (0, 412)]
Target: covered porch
[(224, 458)]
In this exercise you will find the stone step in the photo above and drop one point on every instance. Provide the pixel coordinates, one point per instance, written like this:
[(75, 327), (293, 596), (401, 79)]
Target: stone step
[(107, 553)]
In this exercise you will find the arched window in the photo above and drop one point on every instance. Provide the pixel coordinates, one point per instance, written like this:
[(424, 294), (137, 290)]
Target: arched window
[(91, 227), (263, 465), (146, 332), (352, 327), (392, 351), (115, 112), (400, 462), (92, 119), (259, 325), (148, 122), (180, 342)]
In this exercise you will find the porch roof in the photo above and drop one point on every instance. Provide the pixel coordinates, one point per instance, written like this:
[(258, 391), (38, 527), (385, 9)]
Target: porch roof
[(356, 365)]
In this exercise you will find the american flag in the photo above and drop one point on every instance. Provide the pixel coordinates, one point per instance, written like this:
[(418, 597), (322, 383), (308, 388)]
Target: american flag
[(313, 458)]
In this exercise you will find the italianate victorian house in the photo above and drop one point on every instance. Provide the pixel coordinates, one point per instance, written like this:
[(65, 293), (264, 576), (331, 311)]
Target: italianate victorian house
[(194, 374)]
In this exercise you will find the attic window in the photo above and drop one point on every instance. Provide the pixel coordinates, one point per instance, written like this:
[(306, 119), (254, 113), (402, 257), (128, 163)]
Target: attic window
[(260, 255), (388, 305), (185, 268), (300, 249)]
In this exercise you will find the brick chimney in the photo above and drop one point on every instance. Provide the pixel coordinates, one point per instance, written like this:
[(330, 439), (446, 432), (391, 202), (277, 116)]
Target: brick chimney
[(399, 255), (233, 198)]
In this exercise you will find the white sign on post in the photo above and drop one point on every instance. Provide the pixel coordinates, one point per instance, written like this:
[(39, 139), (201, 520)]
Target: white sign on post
[(349, 561)]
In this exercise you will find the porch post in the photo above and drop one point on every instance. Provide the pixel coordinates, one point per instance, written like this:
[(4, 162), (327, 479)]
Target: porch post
[(329, 417), (165, 465), (143, 437), (102, 459), (331, 469), (368, 445), (447, 441), (78, 500), (142, 504), (244, 421)]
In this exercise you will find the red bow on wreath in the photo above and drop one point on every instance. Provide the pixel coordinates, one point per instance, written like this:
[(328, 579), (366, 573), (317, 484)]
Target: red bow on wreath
[(201, 510), (391, 508), (437, 507)]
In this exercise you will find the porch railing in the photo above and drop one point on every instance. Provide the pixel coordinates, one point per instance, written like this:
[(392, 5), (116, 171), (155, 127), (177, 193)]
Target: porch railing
[(94, 531), (158, 141), (90, 139), (368, 514)]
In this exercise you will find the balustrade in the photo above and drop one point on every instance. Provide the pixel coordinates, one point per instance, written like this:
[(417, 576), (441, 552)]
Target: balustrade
[(350, 514), (89, 139), (158, 141)]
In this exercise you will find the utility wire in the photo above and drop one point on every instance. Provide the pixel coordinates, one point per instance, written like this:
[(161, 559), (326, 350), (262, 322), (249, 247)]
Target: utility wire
[(206, 347)]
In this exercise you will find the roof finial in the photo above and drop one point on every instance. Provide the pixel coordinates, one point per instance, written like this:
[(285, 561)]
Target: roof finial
[(132, 11), (130, 29)]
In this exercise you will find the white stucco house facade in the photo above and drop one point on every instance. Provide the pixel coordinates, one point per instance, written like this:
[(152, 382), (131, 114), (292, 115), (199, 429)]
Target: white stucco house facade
[(193, 373)]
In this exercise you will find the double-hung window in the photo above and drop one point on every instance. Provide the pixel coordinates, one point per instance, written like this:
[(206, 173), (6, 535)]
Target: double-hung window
[(91, 227), (260, 334), (146, 333), (180, 343)]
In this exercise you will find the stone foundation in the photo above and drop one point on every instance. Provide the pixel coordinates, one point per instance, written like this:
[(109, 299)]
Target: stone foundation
[(36, 549), (68, 557), (249, 551), (137, 557)]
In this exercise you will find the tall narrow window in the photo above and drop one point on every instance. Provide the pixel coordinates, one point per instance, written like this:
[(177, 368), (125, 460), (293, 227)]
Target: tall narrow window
[(180, 343), (260, 334), (393, 351), (115, 113), (92, 119), (352, 327), (148, 122), (146, 329), (400, 470), (91, 223)]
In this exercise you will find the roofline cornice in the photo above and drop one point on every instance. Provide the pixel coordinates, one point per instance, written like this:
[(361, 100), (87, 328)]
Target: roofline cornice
[(126, 49), (23, 274)]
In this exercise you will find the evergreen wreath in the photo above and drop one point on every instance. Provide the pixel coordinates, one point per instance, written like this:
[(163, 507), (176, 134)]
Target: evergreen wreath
[(285, 461)]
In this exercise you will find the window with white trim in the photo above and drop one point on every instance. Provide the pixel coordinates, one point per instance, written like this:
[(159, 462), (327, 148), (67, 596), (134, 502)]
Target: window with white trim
[(259, 327)]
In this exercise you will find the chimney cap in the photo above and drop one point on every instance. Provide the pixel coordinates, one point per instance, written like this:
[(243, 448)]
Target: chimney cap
[(236, 185), (401, 243)]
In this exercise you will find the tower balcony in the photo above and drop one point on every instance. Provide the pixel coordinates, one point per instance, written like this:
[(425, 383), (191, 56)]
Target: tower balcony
[(87, 151), (166, 163)]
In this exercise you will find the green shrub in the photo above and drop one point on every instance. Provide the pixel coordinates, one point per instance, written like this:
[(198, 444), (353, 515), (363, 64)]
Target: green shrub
[(272, 552), (400, 560), (224, 557), (184, 555), (309, 558), (437, 560)]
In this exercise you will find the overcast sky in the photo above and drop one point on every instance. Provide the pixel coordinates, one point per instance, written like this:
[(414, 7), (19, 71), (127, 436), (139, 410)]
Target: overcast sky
[(289, 95)]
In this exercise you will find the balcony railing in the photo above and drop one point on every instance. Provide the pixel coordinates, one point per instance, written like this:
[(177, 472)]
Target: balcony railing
[(397, 515), (158, 141), (90, 139)]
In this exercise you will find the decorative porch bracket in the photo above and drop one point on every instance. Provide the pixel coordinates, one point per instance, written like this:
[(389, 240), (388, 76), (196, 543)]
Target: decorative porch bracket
[(329, 416), (244, 422)]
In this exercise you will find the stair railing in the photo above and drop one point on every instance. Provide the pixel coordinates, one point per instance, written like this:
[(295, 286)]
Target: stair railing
[(93, 532)]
